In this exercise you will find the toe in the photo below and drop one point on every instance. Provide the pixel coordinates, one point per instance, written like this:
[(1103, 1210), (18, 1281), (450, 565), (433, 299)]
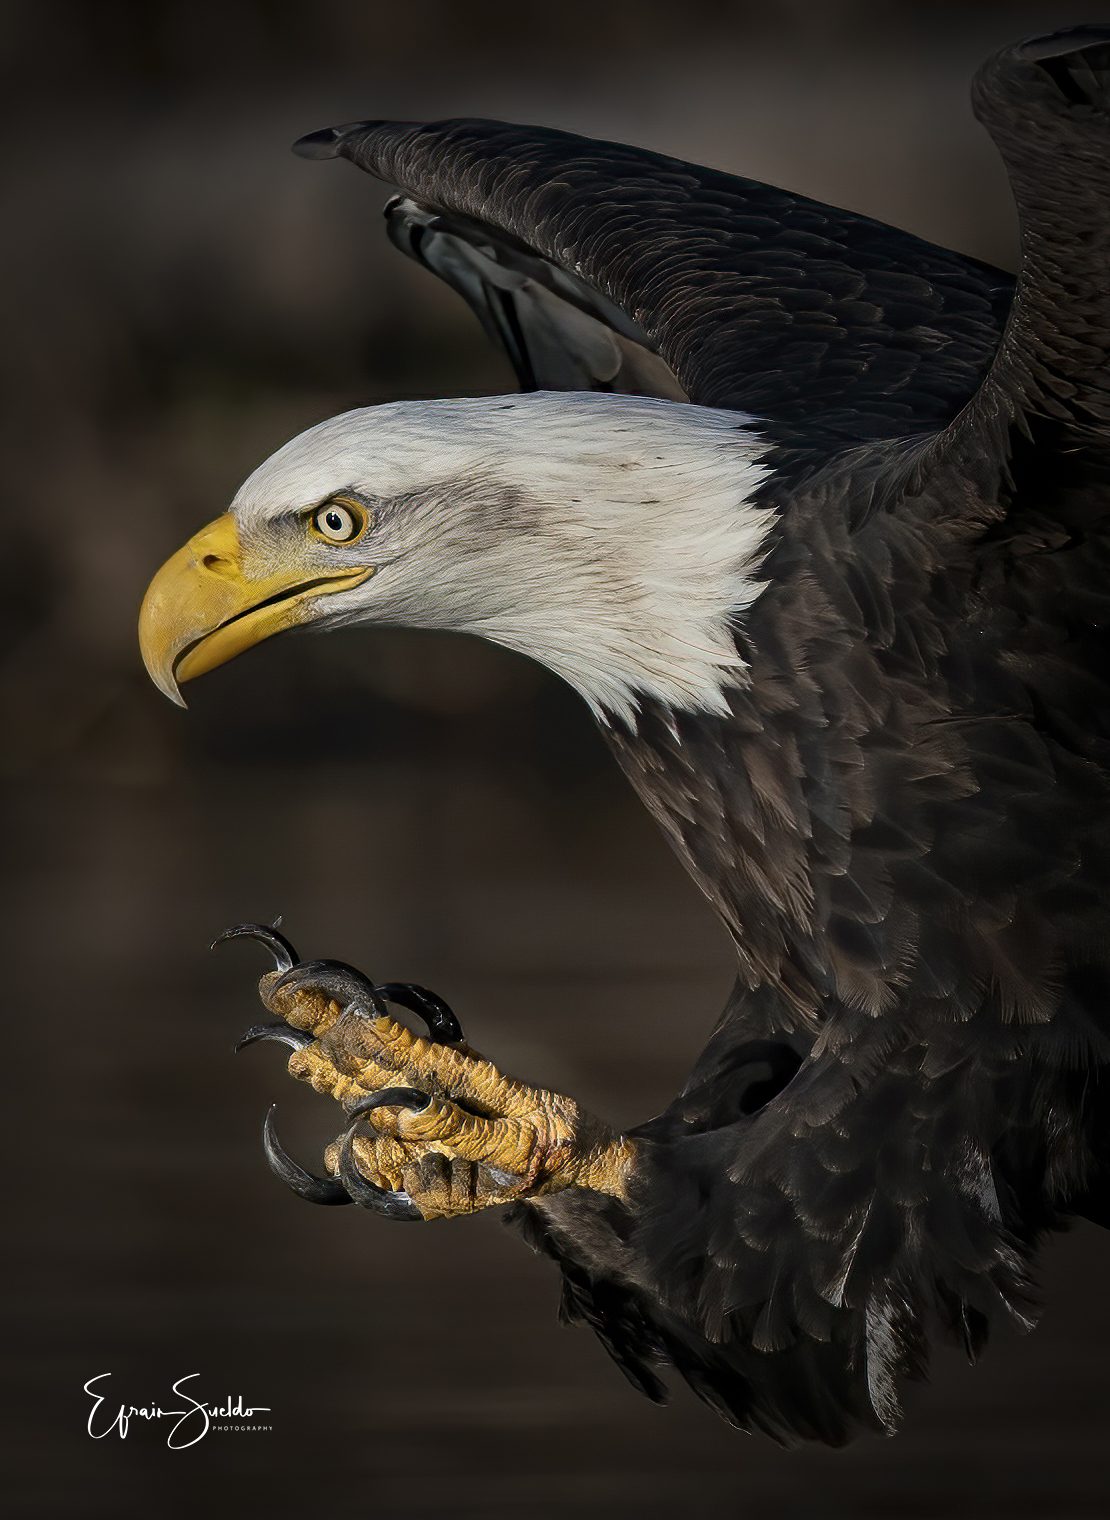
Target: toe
[(510, 1145), (313, 994), (391, 1203)]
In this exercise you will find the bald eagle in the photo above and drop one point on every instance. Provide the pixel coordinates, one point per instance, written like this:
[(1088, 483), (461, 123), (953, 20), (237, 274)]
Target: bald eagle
[(813, 514)]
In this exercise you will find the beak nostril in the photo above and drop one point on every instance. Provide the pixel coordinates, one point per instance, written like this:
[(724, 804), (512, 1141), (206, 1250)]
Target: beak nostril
[(215, 562)]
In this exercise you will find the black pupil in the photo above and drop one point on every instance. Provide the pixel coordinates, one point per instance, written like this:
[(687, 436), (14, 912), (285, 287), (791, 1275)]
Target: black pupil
[(334, 521)]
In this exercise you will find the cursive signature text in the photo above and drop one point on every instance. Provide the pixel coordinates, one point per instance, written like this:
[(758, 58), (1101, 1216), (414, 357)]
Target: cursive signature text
[(191, 1423)]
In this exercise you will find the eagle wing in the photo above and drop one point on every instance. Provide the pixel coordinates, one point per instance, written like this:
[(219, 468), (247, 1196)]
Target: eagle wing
[(601, 266)]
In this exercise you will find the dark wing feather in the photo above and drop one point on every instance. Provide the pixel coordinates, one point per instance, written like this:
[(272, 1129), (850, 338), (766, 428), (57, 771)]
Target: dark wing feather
[(756, 299), (559, 334)]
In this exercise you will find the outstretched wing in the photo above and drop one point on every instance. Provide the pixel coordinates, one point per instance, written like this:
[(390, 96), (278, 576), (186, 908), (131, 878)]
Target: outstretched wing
[(608, 267)]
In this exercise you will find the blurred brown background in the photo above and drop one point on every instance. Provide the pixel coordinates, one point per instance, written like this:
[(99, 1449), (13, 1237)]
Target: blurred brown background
[(182, 296)]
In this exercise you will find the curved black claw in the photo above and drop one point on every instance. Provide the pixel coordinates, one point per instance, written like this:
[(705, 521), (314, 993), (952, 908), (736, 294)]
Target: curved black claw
[(285, 957), (443, 1025), (360, 1190), (281, 1034), (348, 987), (389, 1097), (285, 1169)]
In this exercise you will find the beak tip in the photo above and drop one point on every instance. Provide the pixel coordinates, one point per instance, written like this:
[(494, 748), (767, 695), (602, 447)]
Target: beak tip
[(166, 684)]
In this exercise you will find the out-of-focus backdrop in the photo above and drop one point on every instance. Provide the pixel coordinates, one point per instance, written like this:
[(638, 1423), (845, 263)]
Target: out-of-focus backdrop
[(182, 296)]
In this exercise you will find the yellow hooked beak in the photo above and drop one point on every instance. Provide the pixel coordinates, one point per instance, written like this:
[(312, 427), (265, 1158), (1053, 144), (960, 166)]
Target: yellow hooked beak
[(201, 610)]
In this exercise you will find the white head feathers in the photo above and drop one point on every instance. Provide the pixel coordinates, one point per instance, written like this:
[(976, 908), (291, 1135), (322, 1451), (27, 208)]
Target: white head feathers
[(612, 538)]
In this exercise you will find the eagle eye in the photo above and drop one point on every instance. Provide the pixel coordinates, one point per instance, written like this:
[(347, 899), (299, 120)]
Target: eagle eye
[(340, 521)]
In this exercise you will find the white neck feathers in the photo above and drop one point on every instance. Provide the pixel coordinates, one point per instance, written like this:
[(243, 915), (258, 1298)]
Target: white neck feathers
[(612, 538)]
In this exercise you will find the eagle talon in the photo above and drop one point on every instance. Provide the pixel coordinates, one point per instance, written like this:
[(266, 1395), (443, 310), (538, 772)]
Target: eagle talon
[(334, 980), (285, 957), (281, 1034), (455, 1135), (441, 1020), (391, 1204), (314, 1189), (389, 1097)]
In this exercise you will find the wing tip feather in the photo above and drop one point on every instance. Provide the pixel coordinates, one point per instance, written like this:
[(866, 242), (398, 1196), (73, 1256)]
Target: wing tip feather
[(329, 142)]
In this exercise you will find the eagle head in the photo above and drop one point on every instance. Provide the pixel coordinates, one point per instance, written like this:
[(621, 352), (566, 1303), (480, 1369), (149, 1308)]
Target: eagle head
[(613, 538)]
